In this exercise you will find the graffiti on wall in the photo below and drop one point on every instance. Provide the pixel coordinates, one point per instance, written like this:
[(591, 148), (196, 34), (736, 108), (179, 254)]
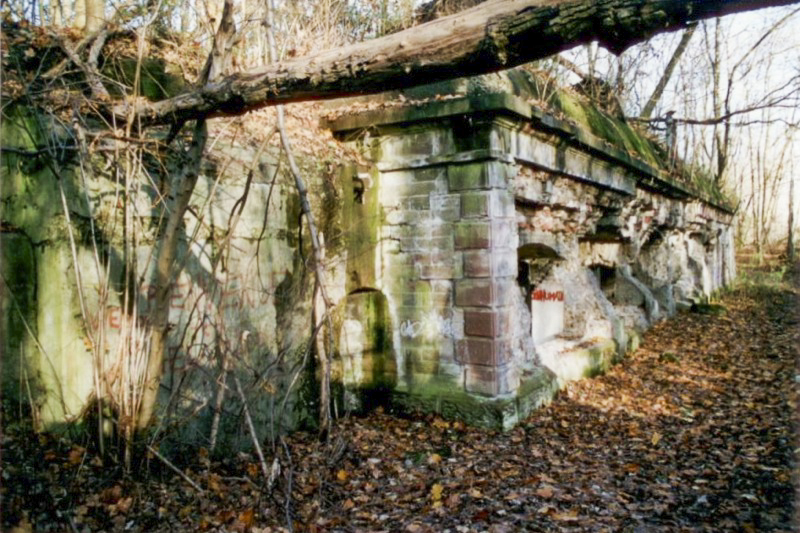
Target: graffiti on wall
[(431, 325), (543, 295), (200, 312), (547, 312)]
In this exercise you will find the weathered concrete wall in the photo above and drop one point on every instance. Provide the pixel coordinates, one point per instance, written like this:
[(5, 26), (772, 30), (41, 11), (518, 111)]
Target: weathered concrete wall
[(253, 304), (516, 252), (487, 254)]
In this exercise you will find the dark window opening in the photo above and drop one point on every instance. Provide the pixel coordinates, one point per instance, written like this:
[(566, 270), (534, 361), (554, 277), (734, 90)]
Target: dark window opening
[(607, 277)]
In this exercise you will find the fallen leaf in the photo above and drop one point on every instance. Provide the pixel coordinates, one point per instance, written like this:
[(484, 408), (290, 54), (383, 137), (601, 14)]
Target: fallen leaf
[(568, 516), (76, 455), (441, 424), (453, 500), (246, 518), (124, 505)]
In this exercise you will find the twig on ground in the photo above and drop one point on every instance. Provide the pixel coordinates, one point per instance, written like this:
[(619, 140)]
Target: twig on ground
[(288, 504), (175, 469), (251, 427)]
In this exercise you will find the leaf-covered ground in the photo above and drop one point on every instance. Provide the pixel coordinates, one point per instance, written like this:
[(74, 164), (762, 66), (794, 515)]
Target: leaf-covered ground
[(693, 432)]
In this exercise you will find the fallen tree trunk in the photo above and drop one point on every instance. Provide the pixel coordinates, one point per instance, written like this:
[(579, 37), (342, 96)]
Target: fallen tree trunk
[(492, 36)]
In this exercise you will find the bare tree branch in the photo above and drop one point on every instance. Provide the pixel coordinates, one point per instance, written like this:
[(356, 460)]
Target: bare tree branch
[(492, 36), (712, 121)]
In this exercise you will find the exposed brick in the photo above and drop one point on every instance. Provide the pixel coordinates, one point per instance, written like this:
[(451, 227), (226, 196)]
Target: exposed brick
[(439, 271), (475, 293), (414, 243), (491, 324), (475, 351), (471, 235), (442, 293), (482, 351), (485, 292), (477, 263), (417, 294), (481, 323)]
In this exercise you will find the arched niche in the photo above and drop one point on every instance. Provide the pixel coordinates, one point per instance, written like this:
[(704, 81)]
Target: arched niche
[(365, 343), (534, 263)]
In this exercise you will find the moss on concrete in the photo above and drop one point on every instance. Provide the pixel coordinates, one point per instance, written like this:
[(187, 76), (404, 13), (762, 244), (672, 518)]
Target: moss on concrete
[(18, 312), (446, 398), (616, 132)]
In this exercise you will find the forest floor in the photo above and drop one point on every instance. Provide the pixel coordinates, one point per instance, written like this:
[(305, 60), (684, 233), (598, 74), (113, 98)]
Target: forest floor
[(692, 432)]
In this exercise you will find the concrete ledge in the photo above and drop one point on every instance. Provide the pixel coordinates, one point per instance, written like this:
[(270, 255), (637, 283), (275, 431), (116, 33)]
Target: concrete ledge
[(518, 109), (537, 389), (435, 109), (584, 360)]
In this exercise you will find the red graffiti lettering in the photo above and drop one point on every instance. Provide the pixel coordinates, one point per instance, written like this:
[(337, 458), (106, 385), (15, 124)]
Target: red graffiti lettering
[(541, 295)]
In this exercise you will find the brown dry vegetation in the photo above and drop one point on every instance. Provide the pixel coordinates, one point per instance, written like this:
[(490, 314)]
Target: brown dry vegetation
[(692, 432)]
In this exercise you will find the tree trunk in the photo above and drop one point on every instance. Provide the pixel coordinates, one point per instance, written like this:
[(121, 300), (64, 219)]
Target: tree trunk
[(79, 12), (95, 15), (168, 243), (790, 234), (673, 62), (492, 36), (165, 259)]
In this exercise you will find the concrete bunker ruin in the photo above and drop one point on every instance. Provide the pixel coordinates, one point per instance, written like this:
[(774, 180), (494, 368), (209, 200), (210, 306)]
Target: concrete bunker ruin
[(486, 252), (518, 250)]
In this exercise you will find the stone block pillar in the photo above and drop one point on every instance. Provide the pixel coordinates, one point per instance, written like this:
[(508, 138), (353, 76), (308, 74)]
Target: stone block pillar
[(486, 236)]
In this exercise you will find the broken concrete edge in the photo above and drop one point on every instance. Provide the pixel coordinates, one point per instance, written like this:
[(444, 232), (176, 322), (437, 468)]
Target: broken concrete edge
[(538, 387), (515, 107)]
